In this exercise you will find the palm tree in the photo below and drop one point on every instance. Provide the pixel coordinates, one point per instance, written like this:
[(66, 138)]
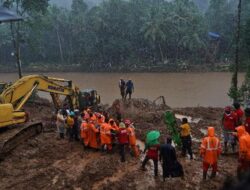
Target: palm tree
[(153, 31)]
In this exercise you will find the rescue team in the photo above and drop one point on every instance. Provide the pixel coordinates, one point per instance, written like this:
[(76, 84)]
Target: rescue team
[(98, 131)]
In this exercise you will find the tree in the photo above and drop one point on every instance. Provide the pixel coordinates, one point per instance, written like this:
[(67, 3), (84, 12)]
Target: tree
[(234, 91), (153, 29), (23, 7)]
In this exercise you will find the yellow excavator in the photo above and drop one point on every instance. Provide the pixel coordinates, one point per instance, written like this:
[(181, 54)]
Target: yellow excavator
[(13, 97)]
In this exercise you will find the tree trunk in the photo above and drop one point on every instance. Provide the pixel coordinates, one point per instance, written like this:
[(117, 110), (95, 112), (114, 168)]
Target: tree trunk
[(16, 44), (162, 57), (60, 45), (235, 75)]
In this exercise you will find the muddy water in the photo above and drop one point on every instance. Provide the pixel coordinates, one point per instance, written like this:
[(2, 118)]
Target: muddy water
[(179, 89)]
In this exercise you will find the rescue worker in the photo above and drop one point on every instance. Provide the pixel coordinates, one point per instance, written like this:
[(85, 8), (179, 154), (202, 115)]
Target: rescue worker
[(129, 88), (122, 86), (105, 135), (113, 124), (170, 165), (132, 137), (114, 130), (76, 126), (152, 152), (186, 138), (210, 150), (93, 135), (238, 113), (229, 124), (70, 123), (85, 132), (244, 151), (60, 124), (123, 140)]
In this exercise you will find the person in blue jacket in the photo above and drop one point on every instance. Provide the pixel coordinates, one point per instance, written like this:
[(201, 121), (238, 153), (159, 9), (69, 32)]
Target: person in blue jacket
[(129, 88)]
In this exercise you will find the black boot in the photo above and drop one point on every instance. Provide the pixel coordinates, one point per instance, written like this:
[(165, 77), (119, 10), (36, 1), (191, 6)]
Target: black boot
[(225, 147), (204, 175), (213, 175)]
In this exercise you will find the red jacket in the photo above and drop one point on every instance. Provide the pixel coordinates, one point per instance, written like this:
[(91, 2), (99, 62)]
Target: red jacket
[(239, 115), (229, 121), (123, 136), (152, 152)]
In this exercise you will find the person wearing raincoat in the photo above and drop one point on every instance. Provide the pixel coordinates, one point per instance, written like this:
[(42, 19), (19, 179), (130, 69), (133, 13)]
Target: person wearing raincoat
[(122, 135), (85, 132), (132, 137), (170, 165), (210, 150), (152, 148), (105, 134), (93, 135), (244, 150), (229, 122)]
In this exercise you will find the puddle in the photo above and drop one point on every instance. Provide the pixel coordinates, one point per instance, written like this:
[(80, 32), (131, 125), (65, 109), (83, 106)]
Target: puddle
[(189, 118)]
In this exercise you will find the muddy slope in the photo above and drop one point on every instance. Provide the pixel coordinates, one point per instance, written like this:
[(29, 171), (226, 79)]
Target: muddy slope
[(47, 163)]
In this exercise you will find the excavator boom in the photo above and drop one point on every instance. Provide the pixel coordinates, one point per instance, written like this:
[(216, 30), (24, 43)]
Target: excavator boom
[(19, 92)]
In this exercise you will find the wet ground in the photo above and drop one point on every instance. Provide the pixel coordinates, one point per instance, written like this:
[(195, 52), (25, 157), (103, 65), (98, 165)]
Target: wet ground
[(44, 162)]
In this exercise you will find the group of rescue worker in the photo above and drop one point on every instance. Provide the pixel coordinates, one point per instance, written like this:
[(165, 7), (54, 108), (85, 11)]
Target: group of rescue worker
[(234, 130), (100, 132)]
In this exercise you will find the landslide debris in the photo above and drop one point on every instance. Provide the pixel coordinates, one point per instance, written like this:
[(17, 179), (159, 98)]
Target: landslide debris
[(44, 162)]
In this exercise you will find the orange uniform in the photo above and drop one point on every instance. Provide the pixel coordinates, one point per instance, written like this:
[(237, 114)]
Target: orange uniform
[(93, 135), (113, 124), (210, 150), (244, 149), (85, 133), (132, 140), (105, 132)]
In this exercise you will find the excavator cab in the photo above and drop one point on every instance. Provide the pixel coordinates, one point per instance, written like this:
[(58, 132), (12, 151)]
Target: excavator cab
[(89, 98), (10, 117)]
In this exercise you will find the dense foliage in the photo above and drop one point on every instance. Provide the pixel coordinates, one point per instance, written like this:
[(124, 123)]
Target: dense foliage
[(128, 35)]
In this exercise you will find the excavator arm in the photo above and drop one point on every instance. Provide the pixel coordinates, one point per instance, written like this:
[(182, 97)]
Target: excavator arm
[(18, 93)]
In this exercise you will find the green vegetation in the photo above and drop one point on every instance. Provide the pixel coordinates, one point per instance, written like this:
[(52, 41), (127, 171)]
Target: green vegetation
[(132, 35)]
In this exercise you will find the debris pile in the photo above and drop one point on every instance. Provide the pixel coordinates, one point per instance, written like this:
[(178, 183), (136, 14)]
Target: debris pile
[(44, 162)]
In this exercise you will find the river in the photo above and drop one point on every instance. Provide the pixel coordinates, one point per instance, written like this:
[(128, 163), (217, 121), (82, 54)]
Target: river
[(179, 89)]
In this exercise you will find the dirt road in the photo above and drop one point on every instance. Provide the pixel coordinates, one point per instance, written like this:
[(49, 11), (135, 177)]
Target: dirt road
[(45, 162)]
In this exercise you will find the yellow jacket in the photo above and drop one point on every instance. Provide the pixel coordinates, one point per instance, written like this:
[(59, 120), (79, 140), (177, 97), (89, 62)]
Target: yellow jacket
[(185, 130)]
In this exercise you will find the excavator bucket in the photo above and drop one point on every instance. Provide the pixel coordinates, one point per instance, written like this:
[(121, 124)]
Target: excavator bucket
[(171, 124)]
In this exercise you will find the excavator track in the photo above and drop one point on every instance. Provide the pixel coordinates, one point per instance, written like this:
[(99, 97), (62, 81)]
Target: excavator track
[(13, 136)]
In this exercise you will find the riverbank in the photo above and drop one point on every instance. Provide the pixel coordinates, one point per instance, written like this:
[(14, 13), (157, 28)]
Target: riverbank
[(53, 67)]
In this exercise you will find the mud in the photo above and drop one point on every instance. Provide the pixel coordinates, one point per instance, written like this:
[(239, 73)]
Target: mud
[(44, 162)]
